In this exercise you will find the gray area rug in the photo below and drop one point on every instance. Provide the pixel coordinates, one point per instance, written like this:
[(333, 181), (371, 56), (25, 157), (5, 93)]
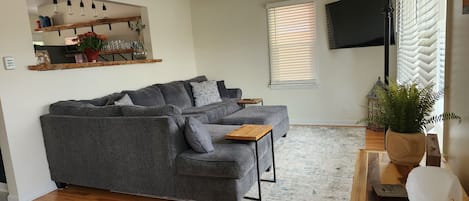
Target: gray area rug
[(313, 164)]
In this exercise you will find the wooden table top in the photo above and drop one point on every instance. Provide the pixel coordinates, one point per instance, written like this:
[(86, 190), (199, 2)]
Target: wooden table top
[(375, 167), (249, 132), (250, 101)]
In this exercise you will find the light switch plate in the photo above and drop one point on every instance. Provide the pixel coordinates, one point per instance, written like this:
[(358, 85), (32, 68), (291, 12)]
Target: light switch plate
[(9, 63)]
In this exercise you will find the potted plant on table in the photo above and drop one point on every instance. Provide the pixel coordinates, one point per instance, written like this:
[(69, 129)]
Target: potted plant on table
[(406, 110), (91, 43)]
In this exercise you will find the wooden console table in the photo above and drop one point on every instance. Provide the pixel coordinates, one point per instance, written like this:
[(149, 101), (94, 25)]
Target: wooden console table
[(373, 167)]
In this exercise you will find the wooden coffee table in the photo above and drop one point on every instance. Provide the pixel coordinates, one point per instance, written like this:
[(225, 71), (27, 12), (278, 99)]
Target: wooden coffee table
[(254, 133), (374, 167)]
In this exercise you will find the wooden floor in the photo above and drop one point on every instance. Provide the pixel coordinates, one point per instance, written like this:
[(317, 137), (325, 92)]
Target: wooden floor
[(374, 141)]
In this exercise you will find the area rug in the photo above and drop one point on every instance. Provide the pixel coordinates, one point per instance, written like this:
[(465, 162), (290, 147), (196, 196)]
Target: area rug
[(313, 164)]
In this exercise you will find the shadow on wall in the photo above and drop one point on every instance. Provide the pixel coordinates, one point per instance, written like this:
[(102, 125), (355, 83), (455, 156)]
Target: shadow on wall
[(3, 178)]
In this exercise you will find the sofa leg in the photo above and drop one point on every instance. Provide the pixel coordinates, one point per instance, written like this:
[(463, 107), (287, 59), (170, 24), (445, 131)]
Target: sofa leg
[(268, 169), (284, 135), (60, 184)]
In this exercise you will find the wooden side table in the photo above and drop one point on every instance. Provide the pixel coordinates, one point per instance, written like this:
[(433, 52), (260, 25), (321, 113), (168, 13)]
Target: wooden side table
[(246, 101), (254, 133), (374, 167)]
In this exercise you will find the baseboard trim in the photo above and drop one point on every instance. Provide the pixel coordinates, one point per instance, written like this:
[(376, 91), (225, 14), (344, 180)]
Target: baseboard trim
[(329, 125)]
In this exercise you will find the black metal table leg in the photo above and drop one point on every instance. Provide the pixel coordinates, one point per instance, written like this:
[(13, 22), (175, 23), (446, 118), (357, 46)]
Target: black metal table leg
[(273, 159), (258, 178)]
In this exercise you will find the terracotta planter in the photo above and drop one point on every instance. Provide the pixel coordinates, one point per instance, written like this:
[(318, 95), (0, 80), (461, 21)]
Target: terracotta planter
[(92, 55), (405, 149)]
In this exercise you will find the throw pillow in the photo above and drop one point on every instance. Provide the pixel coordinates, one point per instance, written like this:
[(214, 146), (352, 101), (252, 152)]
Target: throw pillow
[(136, 110), (175, 93), (125, 100), (197, 136), (205, 92)]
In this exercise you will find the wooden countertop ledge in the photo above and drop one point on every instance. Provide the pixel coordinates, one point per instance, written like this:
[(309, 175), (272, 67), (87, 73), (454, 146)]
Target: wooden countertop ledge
[(45, 67)]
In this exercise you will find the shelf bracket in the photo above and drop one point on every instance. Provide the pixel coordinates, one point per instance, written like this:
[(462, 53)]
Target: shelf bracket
[(110, 27), (130, 26), (92, 28), (60, 34), (75, 31)]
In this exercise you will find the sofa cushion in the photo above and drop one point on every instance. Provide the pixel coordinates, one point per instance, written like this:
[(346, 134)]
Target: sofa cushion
[(148, 96), (205, 93), (175, 93), (125, 100), (257, 115), (215, 111), (105, 100), (222, 89), (197, 136), (227, 161), (166, 110), (188, 86), (79, 108)]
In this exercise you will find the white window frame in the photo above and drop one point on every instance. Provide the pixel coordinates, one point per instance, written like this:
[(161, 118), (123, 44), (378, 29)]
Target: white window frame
[(295, 84)]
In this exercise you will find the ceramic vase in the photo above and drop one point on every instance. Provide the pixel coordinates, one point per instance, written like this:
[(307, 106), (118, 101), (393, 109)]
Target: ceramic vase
[(405, 148)]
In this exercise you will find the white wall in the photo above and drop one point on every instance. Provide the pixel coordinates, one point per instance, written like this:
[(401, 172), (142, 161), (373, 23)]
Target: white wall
[(457, 69), (25, 95), (230, 40)]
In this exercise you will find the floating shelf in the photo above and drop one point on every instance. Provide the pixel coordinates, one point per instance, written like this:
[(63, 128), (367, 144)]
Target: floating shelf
[(46, 67), (105, 21)]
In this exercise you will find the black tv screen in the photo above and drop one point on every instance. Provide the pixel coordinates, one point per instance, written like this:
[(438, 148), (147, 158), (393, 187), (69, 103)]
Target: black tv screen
[(356, 23)]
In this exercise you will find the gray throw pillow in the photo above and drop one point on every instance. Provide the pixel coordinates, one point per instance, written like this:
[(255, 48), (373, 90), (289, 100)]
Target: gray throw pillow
[(205, 92), (197, 136), (136, 110), (125, 100)]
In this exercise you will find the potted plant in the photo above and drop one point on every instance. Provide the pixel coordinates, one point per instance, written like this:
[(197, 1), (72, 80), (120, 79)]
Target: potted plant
[(91, 43), (406, 110)]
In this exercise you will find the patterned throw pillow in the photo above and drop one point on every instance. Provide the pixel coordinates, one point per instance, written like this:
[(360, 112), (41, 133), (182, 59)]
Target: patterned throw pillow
[(205, 92), (125, 100)]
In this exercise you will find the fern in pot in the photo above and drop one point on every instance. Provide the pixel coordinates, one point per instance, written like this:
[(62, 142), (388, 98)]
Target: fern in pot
[(406, 110)]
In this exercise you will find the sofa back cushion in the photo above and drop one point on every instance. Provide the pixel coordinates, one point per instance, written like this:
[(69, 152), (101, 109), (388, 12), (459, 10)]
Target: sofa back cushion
[(148, 96), (175, 93), (105, 100), (188, 86), (80, 108), (167, 110)]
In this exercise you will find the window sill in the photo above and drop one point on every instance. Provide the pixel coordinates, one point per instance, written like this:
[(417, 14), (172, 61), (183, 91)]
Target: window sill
[(294, 86), (46, 67)]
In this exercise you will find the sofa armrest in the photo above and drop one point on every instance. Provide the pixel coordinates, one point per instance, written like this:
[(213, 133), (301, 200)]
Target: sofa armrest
[(117, 153), (234, 92)]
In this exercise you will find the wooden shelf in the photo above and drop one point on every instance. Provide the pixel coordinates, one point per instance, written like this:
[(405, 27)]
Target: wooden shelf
[(46, 67), (105, 21)]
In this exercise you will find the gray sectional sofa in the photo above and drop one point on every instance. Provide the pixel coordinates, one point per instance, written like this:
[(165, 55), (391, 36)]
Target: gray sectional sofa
[(142, 150)]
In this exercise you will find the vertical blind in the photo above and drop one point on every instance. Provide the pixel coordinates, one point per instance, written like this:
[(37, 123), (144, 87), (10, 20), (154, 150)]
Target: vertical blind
[(421, 47), (291, 43)]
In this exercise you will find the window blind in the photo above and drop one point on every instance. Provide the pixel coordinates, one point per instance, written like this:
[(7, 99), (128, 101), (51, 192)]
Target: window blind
[(291, 43), (421, 47)]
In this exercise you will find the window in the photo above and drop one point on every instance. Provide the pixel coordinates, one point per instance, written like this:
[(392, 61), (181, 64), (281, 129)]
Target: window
[(291, 43)]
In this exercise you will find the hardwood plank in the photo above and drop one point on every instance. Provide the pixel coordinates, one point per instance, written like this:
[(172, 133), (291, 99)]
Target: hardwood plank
[(76, 193), (374, 140)]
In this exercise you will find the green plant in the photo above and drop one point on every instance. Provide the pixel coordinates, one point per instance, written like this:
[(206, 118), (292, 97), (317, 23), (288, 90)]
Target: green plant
[(407, 108), (90, 40)]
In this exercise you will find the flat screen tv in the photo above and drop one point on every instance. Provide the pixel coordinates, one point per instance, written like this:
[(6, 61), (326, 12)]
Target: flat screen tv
[(356, 23)]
